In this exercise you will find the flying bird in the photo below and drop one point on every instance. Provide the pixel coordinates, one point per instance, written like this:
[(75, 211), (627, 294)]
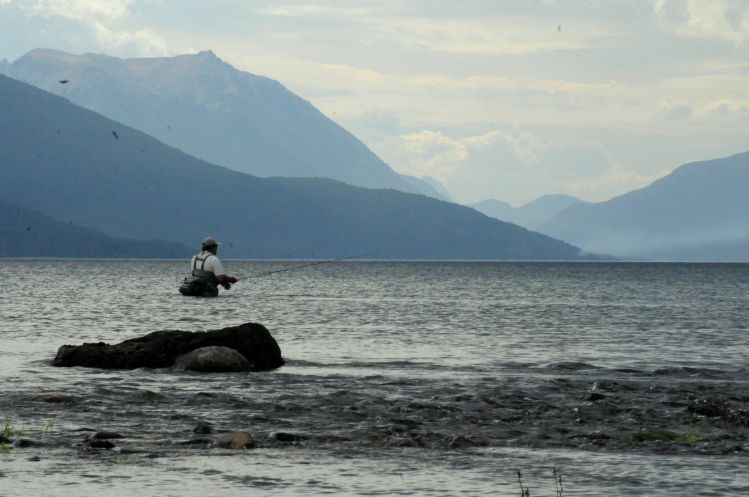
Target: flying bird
[(115, 135), (64, 81)]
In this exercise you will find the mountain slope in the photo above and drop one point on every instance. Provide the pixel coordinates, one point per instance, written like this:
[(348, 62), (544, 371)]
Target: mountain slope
[(428, 188), (207, 108), (56, 157), (26, 233), (698, 205), (531, 215)]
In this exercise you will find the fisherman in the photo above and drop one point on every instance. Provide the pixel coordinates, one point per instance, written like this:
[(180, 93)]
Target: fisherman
[(207, 272)]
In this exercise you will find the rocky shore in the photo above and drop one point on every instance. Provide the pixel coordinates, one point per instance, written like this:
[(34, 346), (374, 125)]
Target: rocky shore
[(574, 406)]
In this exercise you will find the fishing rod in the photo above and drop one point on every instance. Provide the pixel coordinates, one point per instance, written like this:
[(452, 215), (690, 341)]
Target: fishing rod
[(317, 263)]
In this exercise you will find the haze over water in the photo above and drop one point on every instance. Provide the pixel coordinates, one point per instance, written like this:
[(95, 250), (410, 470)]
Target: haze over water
[(401, 379)]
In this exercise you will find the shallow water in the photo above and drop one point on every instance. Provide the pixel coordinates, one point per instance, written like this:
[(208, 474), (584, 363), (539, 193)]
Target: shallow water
[(401, 379)]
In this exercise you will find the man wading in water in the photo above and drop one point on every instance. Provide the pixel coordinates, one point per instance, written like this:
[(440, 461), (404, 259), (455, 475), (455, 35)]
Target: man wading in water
[(207, 273)]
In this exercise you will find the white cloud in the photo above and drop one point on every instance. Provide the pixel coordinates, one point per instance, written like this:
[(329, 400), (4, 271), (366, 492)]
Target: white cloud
[(726, 20), (514, 165), (144, 41), (79, 10), (313, 10), (105, 25), (493, 36), (725, 107)]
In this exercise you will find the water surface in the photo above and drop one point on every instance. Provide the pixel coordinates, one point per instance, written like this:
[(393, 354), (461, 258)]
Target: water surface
[(401, 379)]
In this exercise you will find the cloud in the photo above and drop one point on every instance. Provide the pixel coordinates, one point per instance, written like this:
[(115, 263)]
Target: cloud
[(80, 10), (725, 107), (494, 36), (104, 24), (313, 10), (726, 20), (144, 41), (512, 165)]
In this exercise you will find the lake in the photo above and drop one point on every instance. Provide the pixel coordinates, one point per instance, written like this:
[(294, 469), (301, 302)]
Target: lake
[(401, 378)]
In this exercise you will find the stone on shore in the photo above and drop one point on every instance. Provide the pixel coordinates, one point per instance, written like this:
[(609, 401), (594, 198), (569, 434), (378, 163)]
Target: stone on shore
[(161, 349), (213, 359), (236, 440)]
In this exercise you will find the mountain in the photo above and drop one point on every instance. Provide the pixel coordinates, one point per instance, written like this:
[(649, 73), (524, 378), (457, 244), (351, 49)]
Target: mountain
[(531, 215), (438, 187), (56, 157), (694, 213), (429, 188), (497, 209), (26, 233), (210, 110)]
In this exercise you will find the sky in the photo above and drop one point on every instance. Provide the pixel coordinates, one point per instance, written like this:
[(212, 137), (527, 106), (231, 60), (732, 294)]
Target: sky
[(502, 99)]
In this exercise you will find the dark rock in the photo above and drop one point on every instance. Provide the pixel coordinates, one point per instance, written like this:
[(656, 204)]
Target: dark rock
[(462, 442), (595, 396), (287, 437), (195, 441), (106, 435), (54, 399), (160, 349), (99, 444), (236, 440), (213, 359), (34, 459), (203, 429), (22, 443)]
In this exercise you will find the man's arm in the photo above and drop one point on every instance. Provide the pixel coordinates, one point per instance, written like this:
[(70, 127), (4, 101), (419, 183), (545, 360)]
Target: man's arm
[(218, 270), (224, 278)]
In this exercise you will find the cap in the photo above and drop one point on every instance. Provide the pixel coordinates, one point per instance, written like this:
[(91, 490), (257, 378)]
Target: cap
[(208, 241)]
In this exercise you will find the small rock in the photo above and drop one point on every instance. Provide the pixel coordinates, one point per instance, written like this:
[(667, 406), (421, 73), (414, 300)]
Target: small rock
[(22, 443), (203, 429), (34, 459), (99, 444), (106, 435), (236, 440), (284, 436), (54, 398), (595, 396), (461, 442), (213, 359)]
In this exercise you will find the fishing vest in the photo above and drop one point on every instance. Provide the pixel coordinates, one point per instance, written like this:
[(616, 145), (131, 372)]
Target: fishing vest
[(198, 267)]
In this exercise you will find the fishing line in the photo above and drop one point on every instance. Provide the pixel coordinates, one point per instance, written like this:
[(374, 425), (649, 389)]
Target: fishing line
[(317, 263)]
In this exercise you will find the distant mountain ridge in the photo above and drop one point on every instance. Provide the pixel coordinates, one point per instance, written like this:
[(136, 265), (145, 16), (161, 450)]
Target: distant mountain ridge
[(428, 187), (26, 233), (207, 108), (58, 158), (531, 215), (698, 211)]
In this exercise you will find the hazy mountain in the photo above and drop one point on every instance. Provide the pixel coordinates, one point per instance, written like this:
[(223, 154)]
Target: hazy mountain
[(4, 65), (428, 188), (56, 157), (679, 217), (438, 187), (26, 233), (497, 209), (531, 215), (207, 108)]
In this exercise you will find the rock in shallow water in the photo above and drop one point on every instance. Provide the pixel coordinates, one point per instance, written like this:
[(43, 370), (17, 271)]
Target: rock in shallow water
[(213, 360), (236, 440), (161, 349)]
